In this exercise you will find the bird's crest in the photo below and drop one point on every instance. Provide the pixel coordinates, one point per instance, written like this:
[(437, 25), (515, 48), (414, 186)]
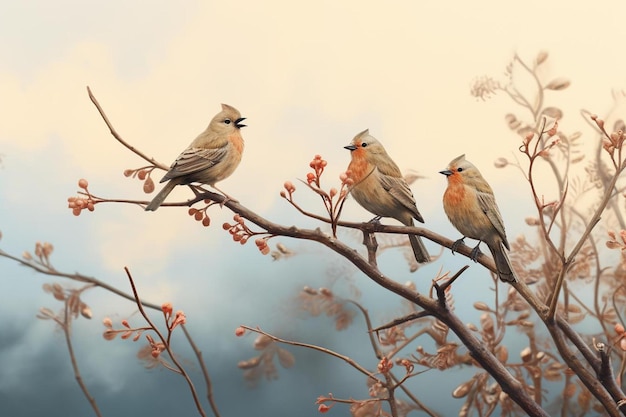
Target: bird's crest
[(226, 107), (456, 161)]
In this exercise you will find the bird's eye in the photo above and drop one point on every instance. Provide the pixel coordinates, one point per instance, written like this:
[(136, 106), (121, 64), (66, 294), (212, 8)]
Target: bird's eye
[(363, 145), (227, 121), (459, 169)]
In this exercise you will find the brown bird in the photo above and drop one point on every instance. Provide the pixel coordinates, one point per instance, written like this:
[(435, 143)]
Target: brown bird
[(380, 188), (211, 157), (471, 207)]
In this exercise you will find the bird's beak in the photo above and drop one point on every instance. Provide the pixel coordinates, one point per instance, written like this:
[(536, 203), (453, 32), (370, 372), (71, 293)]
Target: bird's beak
[(238, 122), (350, 147), (446, 172)]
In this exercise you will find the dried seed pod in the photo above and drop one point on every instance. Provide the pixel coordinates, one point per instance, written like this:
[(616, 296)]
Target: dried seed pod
[(463, 389)]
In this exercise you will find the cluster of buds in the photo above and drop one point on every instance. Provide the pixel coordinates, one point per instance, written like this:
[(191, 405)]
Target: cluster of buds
[(318, 164), (535, 152), (289, 188), (384, 365), (613, 141), (172, 320), (200, 215), (324, 301), (42, 252), (241, 233), (125, 332), (323, 407), (614, 243), (346, 179), (78, 204), (156, 348), (74, 305), (143, 174), (484, 87), (313, 181)]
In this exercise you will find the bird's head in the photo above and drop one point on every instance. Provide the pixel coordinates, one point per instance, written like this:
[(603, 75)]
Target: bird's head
[(228, 120), (364, 144), (462, 170)]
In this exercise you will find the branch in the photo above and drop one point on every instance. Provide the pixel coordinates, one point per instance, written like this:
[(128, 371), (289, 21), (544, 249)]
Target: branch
[(79, 379), (344, 358), (166, 344), (119, 138)]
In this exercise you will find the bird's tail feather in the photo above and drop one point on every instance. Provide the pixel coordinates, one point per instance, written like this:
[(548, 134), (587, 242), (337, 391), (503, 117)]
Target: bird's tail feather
[(161, 196), (503, 265), (421, 254)]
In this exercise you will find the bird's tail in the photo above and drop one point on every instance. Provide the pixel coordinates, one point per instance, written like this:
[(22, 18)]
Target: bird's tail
[(503, 265), (161, 196), (421, 254)]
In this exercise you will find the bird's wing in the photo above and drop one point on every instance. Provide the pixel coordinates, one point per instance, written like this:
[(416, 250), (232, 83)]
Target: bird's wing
[(487, 204), (399, 189), (193, 160)]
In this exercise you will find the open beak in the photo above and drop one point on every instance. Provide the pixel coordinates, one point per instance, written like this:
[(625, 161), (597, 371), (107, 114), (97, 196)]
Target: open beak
[(446, 172), (238, 122), (350, 147)]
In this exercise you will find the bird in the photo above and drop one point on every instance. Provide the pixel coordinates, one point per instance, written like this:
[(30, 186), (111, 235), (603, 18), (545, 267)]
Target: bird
[(471, 207), (379, 187), (211, 157)]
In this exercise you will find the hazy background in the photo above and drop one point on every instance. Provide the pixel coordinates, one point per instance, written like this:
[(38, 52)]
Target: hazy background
[(308, 76)]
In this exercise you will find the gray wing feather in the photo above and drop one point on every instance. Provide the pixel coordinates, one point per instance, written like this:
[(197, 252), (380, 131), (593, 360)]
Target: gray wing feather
[(194, 160), (400, 190), (487, 203)]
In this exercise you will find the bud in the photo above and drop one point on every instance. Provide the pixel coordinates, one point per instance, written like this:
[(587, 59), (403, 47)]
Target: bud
[(526, 354), (480, 306), (85, 311), (82, 183), (558, 84), (541, 57), (532, 221), (109, 334), (148, 186), (501, 162), (262, 342)]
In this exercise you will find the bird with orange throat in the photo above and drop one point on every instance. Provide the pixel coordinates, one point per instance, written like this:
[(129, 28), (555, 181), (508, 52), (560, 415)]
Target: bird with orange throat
[(380, 188), (211, 157), (471, 207)]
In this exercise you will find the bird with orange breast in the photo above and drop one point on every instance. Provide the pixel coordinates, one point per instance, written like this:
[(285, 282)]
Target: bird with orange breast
[(471, 207), (211, 157), (380, 188)]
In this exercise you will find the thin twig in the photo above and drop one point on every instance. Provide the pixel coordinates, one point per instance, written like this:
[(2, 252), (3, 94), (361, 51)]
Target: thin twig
[(344, 358), (66, 326), (119, 138), (167, 346)]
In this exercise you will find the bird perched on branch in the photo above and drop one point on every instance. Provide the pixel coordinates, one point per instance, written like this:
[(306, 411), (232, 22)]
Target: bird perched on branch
[(471, 207), (211, 157), (380, 187)]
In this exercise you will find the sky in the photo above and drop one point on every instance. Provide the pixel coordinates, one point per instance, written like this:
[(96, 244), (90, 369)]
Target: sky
[(308, 76)]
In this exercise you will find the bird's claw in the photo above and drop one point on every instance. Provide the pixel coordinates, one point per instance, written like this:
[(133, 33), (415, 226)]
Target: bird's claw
[(456, 244), (475, 253), (226, 199), (375, 220)]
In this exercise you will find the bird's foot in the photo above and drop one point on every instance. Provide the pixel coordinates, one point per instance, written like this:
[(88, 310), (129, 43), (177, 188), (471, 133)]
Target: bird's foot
[(375, 220), (475, 253), (456, 244), (226, 199)]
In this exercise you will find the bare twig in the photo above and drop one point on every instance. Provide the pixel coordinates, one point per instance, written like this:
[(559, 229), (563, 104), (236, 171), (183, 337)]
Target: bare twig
[(167, 345)]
